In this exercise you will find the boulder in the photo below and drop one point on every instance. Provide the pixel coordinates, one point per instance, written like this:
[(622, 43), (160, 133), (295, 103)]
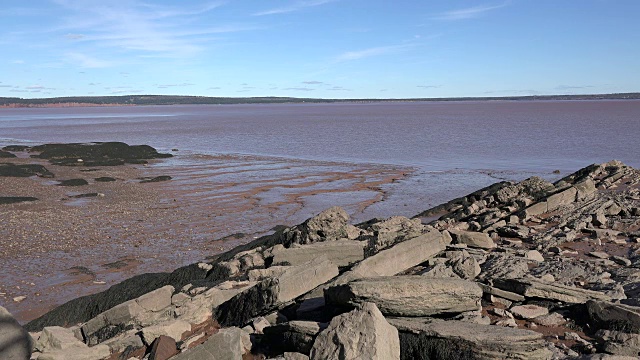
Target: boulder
[(97, 352), (24, 170), (504, 265), (360, 334), (199, 308), (434, 339), (463, 264), (339, 252), (619, 343), (618, 317), (392, 230), (529, 311), (57, 338), (330, 225), (173, 329), (163, 348), (96, 154), (400, 257), (533, 288), (473, 239), (15, 342), (227, 344), (413, 295)]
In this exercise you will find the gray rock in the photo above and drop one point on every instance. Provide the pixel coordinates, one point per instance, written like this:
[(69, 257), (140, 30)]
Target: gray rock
[(400, 257), (57, 338), (529, 311), (330, 225), (429, 339), (533, 288), (339, 252), (227, 344), (299, 280), (606, 315), (409, 295), (553, 319), (360, 334), (619, 343), (173, 329), (393, 230), (15, 342), (463, 264), (473, 239), (502, 265)]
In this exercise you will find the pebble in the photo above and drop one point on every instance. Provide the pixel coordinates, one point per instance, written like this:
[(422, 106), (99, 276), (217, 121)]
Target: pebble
[(599, 254), (19, 298)]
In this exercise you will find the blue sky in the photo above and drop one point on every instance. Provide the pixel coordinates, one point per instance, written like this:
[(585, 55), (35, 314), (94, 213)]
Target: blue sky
[(319, 48)]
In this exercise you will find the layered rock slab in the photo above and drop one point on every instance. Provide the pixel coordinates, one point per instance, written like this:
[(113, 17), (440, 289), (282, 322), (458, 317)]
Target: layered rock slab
[(408, 295)]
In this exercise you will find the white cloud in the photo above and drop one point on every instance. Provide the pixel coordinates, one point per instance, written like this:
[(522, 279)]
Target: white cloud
[(470, 12), (293, 7), (374, 51)]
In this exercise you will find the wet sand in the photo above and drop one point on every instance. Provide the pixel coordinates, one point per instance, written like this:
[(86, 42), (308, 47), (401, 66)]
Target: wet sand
[(59, 248)]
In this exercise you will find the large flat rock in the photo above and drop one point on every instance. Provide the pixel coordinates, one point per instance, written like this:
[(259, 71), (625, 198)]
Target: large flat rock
[(339, 252), (435, 339), (409, 295), (532, 288)]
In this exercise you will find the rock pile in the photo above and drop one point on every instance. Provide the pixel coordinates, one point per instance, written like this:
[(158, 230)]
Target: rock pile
[(529, 270)]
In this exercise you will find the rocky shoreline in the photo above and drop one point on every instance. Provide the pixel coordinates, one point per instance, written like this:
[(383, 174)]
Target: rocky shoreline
[(529, 270)]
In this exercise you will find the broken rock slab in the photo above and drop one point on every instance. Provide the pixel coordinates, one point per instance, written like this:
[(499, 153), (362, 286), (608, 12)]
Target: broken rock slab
[(533, 288), (413, 295), (607, 315), (227, 344), (400, 257), (292, 336), (360, 334), (473, 239), (436, 339), (339, 252)]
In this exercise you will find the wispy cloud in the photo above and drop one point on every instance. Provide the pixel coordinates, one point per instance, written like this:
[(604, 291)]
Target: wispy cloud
[(87, 61), (374, 51), (469, 13), (299, 5), (338, 88), (312, 82), (150, 30), (164, 86), (573, 87), (429, 86), (299, 89)]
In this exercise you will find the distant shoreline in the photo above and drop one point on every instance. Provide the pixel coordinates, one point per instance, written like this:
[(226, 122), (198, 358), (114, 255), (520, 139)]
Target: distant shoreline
[(137, 100)]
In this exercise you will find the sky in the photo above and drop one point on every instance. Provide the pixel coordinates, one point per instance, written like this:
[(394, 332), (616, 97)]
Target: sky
[(318, 48)]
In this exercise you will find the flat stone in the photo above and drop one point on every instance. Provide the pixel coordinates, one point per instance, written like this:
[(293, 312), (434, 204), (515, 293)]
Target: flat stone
[(529, 311), (339, 252), (57, 338), (532, 288), (501, 293), (606, 315), (360, 334), (399, 257), (534, 255), (156, 300), (553, 319), (599, 254), (434, 339), (174, 329), (473, 239), (408, 295), (97, 352), (299, 280)]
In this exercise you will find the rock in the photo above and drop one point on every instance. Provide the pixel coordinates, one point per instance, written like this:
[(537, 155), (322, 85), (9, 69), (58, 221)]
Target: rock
[(5, 200), (606, 315), (534, 255), (125, 343), (473, 239), (24, 170), (408, 295), (271, 272), (360, 334), (529, 311), (532, 288), (329, 225), (97, 352), (621, 260), (15, 342), (499, 265), (339, 252), (163, 348), (199, 308), (73, 182), (434, 339), (5, 154), (501, 293), (156, 300), (16, 148), (392, 230), (292, 356), (96, 154), (104, 179), (619, 343), (440, 271), (57, 338), (293, 336), (156, 179), (553, 319), (399, 257), (257, 300), (173, 329), (463, 264), (599, 254), (227, 344)]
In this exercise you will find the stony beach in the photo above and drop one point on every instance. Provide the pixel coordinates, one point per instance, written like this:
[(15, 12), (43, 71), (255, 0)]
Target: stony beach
[(528, 270)]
